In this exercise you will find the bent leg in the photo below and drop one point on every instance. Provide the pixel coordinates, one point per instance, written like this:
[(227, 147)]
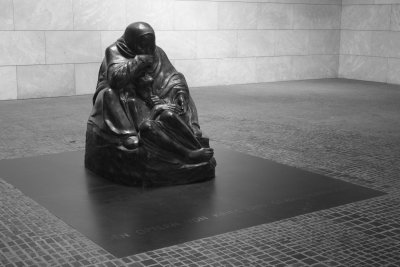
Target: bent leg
[(176, 124), (115, 116), (151, 133)]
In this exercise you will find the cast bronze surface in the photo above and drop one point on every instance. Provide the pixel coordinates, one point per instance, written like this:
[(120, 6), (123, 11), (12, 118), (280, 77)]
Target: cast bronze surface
[(143, 128), (247, 191)]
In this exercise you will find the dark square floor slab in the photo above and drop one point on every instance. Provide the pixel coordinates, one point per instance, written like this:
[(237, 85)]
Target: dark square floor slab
[(247, 191)]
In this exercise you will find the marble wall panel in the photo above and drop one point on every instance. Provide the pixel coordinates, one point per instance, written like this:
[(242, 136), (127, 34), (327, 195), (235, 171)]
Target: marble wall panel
[(158, 13), (43, 15), (256, 43), (45, 81), (319, 2), (381, 45), (99, 15), (6, 15), (195, 15), (8, 83), (355, 42), (395, 18), (198, 72), (216, 44), (177, 44), (363, 68), (394, 71), (275, 16), (316, 17), (236, 70), (394, 44), (324, 42), (314, 67), (270, 69), (357, 2), (291, 42), (22, 47), (86, 78), (383, 2), (73, 47), (108, 38), (366, 17), (237, 15)]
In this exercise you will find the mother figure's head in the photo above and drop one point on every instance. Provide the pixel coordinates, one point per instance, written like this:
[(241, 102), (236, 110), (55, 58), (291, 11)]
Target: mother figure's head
[(140, 38)]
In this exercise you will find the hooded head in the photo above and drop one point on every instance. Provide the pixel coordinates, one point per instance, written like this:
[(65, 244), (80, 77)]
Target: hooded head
[(140, 38)]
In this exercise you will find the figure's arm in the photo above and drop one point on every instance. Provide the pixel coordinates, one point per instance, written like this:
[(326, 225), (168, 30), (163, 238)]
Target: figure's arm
[(121, 71)]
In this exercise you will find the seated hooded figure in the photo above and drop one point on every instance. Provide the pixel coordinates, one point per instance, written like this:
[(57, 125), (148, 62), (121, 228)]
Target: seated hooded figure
[(143, 127)]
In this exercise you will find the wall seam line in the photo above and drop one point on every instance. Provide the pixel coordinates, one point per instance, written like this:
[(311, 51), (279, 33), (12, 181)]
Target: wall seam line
[(340, 39), (13, 8)]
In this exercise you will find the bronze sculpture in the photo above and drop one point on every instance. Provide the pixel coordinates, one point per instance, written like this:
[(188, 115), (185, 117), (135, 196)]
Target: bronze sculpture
[(143, 128)]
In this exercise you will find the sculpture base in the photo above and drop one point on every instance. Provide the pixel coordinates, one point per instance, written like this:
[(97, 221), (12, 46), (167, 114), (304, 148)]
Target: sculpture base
[(110, 160), (126, 220)]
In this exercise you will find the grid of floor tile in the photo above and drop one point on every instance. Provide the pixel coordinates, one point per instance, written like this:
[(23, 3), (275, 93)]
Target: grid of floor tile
[(362, 151)]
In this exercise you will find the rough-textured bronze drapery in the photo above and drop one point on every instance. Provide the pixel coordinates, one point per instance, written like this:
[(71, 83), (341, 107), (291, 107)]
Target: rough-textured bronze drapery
[(143, 127)]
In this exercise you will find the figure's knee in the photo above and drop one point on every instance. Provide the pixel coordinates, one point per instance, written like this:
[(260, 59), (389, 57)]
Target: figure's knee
[(109, 93), (147, 127), (167, 115)]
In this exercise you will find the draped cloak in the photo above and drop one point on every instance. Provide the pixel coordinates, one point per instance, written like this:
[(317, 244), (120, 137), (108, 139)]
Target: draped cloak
[(118, 112), (116, 73)]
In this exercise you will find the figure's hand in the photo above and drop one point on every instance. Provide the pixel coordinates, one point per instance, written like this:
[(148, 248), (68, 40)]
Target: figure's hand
[(170, 107), (156, 100)]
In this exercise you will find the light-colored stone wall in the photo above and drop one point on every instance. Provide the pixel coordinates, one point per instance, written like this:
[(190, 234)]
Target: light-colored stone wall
[(54, 47), (370, 40)]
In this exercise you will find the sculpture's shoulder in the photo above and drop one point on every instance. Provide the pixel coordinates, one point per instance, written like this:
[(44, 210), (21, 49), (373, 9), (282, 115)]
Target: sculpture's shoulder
[(112, 50), (160, 52), (113, 55), (162, 57), (159, 49)]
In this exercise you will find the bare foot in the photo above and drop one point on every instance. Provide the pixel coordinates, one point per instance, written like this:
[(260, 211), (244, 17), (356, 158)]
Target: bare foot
[(201, 155)]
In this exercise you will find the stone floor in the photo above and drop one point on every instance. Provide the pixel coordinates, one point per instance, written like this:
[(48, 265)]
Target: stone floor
[(344, 129)]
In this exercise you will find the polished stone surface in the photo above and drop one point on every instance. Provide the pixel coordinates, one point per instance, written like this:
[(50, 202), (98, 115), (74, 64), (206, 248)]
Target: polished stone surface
[(22, 48), (275, 16), (366, 17), (216, 44), (319, 66), (363, 68), (45, 80), (6, 15), (291, 42), (43, 32), (86, 77), (196, 15), (324, 42), (316, 16), (8, 80), (73, 47), (99, 15), (394, 70), (259, 43), (158, 13), (185, 48), (237, 15), (340, 128), (247, 191), (58, 15)]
